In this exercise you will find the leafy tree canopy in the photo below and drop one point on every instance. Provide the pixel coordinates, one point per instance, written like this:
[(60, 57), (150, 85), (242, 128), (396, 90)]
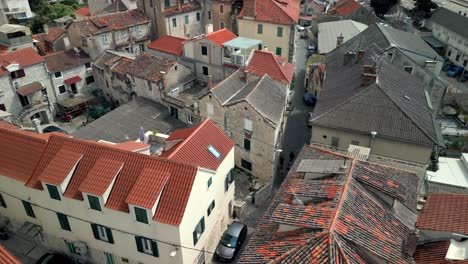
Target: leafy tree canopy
[(381, 7)]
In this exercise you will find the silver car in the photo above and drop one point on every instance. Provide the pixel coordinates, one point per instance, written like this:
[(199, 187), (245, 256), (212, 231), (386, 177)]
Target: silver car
[(231, 241)]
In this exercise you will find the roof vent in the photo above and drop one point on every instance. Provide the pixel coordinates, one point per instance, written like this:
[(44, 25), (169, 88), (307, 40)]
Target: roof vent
[(406, 97)]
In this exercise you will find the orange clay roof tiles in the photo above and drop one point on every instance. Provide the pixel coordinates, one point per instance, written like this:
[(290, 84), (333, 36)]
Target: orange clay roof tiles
[(277, 12), (168, 44), (264, 62), (131, 146), (148, 188), (6, 257), (434, 253), (100, 176), (24, 57), (221, 36), (60, 166)]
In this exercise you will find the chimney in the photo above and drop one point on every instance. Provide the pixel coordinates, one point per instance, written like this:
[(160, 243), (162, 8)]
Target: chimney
[(339, 40), (410, 243), (369, 75), (249, 8), (178, 5), (208, 28), (246, 75), (348, 57), (209, 83), (45, 27), (265, 47), (37, 125), (360, 55)]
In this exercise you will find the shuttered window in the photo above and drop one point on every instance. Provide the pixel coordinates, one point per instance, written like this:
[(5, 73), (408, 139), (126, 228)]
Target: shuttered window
[(2, 201), (147, 246), (141, 215), (63, 220), (53, 192), (198, 230), (29, 210), (94, 203), (211, 207), (102, 233)]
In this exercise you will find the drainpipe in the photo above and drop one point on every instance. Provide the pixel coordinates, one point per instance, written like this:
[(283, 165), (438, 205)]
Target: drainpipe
[(372, 141)]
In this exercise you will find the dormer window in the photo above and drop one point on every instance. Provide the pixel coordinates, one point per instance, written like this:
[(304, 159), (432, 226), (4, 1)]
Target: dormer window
[(141, 215), (94, 203), (17, 74), (53, 192)]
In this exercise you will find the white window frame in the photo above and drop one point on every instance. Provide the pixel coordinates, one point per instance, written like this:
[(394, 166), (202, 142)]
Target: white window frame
[(104, 38), (90, 66), (125, 33), (147, 248), (189, 119), (140, 30), (248, 125), (102, 232), (209, 109), (61, 75), (221, 25), (58, 88)]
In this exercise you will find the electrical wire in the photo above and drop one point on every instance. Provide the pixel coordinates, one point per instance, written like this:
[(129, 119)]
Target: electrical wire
[(121, 231)]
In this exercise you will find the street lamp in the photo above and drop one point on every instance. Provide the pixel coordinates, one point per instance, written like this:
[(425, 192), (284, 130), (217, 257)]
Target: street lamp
[(174, 252)]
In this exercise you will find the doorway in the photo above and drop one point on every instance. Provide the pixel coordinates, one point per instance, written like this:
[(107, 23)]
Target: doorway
[(73, 88), (174, 112)]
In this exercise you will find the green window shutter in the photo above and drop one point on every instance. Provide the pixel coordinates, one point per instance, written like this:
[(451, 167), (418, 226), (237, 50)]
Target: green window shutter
[(195, 238), (2, 202), (95, 231), (279, 32), (198, 16), (278, 51), (259, 46), (259, 29), (154, 247), (182, 2), (94, 203), (71, 247), (139, 244), (186, 18), (174, 22), (167, 3), (141, 215), (203, 224), (53, 192), (109, 235), (29, 210), (210, 181), (63, 219)]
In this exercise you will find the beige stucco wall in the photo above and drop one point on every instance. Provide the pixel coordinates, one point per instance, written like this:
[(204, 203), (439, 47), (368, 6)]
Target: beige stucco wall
[(382, 146), (217, 17), (455, 43), (80, 71), (192, 29), (213, 60), (248, 29)]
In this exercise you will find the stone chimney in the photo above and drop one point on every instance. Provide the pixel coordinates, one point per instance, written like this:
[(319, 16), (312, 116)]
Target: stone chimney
[(45, 27), (410, 244), (339, 40), (369, 75), (208, 28), (249, 8), (209, 83), (37, 125), (360, 55), (348, 57), (246, 75)]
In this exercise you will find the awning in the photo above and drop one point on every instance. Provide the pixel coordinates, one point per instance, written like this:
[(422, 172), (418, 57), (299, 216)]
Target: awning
[(74, 101), (30, 88), (433, 42), (72, 80), (307, 18)]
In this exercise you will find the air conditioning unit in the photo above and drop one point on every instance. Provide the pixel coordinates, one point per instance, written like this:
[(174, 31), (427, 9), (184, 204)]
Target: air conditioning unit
[(80, 248), (15, 84), (228, 133)]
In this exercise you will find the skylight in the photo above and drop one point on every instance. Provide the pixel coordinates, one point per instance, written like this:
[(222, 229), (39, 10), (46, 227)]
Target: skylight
[(214, 151)]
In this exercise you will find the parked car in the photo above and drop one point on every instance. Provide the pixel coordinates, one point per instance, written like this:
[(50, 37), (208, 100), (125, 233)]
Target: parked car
[(54, 258), (454, 71), (447, 66), (309, 99), (231, 241), (309, 119), (54, 129), (300, 28), (464, 78)]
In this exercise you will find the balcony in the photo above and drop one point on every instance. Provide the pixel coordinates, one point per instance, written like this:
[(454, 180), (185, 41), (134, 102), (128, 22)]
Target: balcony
[(237, 51)]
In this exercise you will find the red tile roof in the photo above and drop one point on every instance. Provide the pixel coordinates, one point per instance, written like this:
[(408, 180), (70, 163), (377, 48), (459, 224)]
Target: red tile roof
[(131, 146), (148, 67), (174, 196), (20, 153), (441, 212), (7, 125), (100, 176), (185, 8), (148, 188), (59, 167), (346, 7), (64, 60), (181, 134), (3, 49), (54, 34), (108, 22), (73, 79), (6, 257), (339, 220), (221, 36), (29, 88), (168, 44), (24, 57), (194, 148), (434, 253), (264, 62), (284, 12), (84, 11)]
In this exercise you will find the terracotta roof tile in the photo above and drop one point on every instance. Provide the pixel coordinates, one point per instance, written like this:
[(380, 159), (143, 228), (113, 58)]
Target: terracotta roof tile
[(20, 153), (84, 11), (168, 44), (53, 34), (6, 257), (29, 88), (115, 21), (346, 7), (100, 176), (64, 60), (60, 166), (131, 146), (24, 57), (221, 36), (441, 212), (7, 125), (434, 253), (264, 62), (145, 66), (284, 12), (181, 134), (185, 8), (173, 199), (148, 188), (194, 148)]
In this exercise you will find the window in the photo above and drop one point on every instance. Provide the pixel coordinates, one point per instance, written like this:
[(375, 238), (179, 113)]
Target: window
[(205, 70), (104, 38), (88, 65), (449, 53), (204, 50), (2, 201), (465, 62), (189, 119), (2, 107), (62, 89), (211, 207), (198, 230), (228, 180), (278, 51), (125, 34), (248, 125), (174, 22), (210, 181), (140, 30), (84, 42), (57, 75), (221, 9), (259, 47), (246, 164), (354, 142), (29, 210), (335, 142), (457, 57), (209, 109), (17, 74), (63, 220), (142, 47), (279, 32), (259, 29), (209, 14), (247, 144), (186, 18), (94, 203), (221, 25), (198, 16), (53, 192), (390, 56), (167, 3), (182, 2), (140, 215), (147, 246), (102, 233), (408, 69), (109, 258), (89, 79), (71, 247)]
